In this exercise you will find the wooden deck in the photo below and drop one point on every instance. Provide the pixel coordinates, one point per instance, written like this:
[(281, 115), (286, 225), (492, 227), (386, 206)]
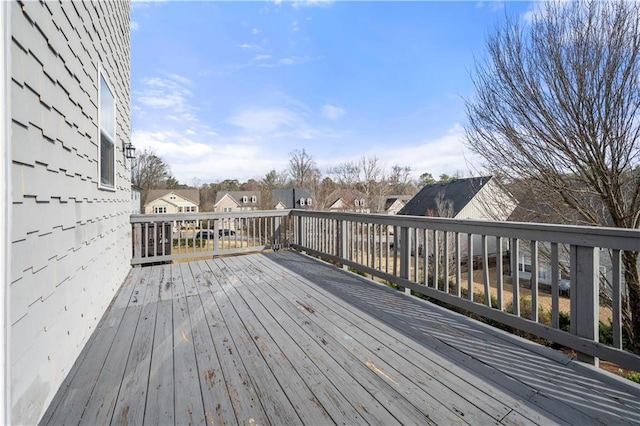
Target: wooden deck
[(281, 338)]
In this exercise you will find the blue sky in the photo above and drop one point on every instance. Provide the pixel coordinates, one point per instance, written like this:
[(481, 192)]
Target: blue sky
[(227, 90)]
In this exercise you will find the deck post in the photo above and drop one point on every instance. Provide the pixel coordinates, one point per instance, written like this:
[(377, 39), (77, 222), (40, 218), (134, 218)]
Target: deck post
[(342, 241), (405, 255), (584, 296), (276, 233), (137, 240)]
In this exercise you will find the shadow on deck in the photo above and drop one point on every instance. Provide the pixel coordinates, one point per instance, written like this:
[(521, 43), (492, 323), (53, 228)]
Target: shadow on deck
[(281, 338)]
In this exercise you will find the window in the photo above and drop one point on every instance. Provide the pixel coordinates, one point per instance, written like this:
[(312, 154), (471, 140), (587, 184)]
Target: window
[(357, 202), (179, 209), (107, 119), (159, 209), (254, 199), (190, 209), (244, 199), (226, 209), (302, 201), (308, 201)]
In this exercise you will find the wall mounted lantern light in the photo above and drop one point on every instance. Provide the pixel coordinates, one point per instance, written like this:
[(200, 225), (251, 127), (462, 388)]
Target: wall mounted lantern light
[(129, 150)]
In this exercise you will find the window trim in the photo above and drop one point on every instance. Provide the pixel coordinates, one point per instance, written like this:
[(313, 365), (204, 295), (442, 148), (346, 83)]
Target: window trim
[(112, 188)]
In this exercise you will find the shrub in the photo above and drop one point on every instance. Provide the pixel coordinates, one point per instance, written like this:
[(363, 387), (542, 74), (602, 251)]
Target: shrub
[(634, 377)]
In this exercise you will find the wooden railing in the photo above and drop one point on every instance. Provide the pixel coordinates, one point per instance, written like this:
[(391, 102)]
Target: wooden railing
[(502, 271), (168, 237), (530, 277)]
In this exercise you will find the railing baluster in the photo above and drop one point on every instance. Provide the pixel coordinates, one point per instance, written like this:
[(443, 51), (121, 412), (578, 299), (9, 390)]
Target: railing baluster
[(445, 253), (515, 276), (555, 290), (616, 279), (436, 261), (470, 266), (499, 274), (458, 266), (534, 280), (485, 271)]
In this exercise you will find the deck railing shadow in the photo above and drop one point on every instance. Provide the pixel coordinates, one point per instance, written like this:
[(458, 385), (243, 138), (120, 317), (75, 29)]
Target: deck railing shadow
[(540, 374)]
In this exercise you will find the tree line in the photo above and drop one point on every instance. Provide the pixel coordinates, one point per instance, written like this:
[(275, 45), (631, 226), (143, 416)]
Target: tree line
[(368, 175)]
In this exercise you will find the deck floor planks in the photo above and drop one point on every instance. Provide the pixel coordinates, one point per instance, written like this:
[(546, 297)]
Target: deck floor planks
[(218, 407), (445, 400), (504, 388), (275, 402), (188, 405), (243, 396), (315, 386), (370, 394), (293, 303), (101, 403), (130, 404), (536, 386), (159, 404), (68, 404)]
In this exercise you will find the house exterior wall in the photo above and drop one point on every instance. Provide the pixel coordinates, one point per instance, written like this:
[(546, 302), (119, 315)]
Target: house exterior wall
[(226, 202), (149, 208), (70, 241), (490, 203)]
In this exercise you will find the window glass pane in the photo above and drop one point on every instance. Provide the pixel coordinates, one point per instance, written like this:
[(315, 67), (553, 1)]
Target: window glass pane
[(107, 109), (106, 161)]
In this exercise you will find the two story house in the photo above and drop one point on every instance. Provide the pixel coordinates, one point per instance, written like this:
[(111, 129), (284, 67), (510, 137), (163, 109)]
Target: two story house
[(65, 189), (172, 201)]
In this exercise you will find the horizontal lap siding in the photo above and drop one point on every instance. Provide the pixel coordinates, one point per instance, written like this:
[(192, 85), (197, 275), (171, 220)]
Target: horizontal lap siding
[(70, 241)]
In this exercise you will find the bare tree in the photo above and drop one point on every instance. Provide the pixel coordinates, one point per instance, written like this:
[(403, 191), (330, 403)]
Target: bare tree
[(149, 171), (400, 180), (556, 109), (346, 174), (303, 169)]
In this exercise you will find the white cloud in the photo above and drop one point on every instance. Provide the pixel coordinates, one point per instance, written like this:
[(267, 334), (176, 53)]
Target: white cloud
[(264, 121), (295, 26), (261, 58), (446, 154), (168, 92), (248, 46), (134, 26), (311, 3), (332, 112), (255, 31)]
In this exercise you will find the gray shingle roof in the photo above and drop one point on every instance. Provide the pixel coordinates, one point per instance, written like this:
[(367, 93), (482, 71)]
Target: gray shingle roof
[(459, 192), (192, 195), (290, 197)]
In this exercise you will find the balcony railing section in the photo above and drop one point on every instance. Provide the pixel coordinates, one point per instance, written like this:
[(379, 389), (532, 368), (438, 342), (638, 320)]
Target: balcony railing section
[(498, 270), (169, 237)]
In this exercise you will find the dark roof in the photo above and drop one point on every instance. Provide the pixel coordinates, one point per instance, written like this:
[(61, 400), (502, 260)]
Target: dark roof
[(290, 197), (459, 192), (192, 195)]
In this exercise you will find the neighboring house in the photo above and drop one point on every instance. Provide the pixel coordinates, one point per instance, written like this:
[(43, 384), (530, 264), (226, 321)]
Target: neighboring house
[(347, 200), (236, 201), (471, 198), (171, 201), (390, 204), (136, 208), (479, 198), (66, 188), (292, 198)]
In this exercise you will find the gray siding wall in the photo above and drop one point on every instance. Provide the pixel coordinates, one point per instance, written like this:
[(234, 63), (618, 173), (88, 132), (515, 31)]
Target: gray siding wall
[(70, 241)]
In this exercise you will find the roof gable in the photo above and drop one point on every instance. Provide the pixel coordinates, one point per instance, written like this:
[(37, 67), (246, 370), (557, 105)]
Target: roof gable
[(237, 196), (459, 192), (191, 195)]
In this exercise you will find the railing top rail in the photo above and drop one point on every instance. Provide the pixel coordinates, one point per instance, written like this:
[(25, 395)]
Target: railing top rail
[(587, 236), (163, 217)]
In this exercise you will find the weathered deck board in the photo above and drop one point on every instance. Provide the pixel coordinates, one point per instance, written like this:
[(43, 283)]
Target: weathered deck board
[(159, 407), (282, 338)]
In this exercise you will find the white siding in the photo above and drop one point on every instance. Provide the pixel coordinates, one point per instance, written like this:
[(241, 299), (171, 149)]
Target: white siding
[(490, 203), (70, 241)]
